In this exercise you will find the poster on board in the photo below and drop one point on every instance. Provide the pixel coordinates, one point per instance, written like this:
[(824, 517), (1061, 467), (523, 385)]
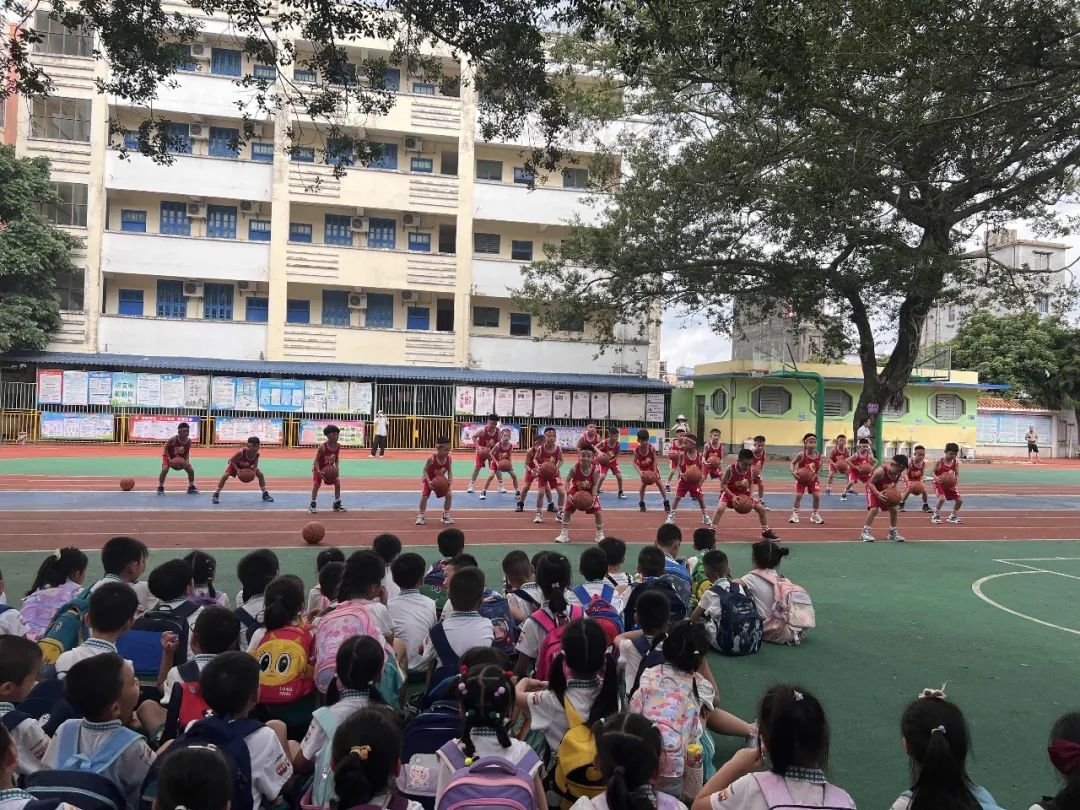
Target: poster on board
[(465, 400), (281, 395), (158, 427), (247, 394), (77, 425), (360, 396), (654, 407), (485, 401), (627, 407), (237, 429), (76, 388), (560, 405), (100, 388), (542, 404), (337, 396), (223, 393), (523, 402), (504, 402), (579, 408), (311, 432), (172, 391), (315, 396), (148, 390), (123, 389), (197, 392), (566, 436), (50, 386), (598, 404)]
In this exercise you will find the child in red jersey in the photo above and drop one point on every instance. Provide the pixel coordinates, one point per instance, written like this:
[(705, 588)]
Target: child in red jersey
[(591, 439), (609, 447), (530, 476), (547, 452), (759, 465), (503, 451), (644, 458), (739, 479), (484, 440), (840, 452), (915, 471), (810, 459), (673, 467), (327, 454), (178, 447), (436, 465), (714, 449), (688, 458), (887, 475), (246, 459), (862, 457), (583, 477), (949, 464)]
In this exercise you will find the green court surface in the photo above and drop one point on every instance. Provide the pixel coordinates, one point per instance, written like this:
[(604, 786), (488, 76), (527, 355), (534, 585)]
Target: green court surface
[(891, 621)]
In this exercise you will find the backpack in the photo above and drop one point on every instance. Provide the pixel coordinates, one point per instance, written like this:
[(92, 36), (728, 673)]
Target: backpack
[(423, 736), (39, 608), (286, 668), (346, 620), (142, 643), (248, 625), (496, 608), (433, 586), (792, 611), (598, 608), (777, 794), (186, 704), (321, 792), (575, 772), (551, 644), (529, 599), (47, 704), (67, 629), (491, 782), (226, 736), (680, 584), (79, 776), (447, 666), (649, 657), (738, 627), (697, 579), (678, 606), (665, 696)]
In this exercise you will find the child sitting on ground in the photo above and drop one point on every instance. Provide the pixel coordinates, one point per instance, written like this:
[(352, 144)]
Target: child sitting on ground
[(522, 592), (412, 614), (317, 601), (615, 549), (388, 547), (464, 628), (203, 570), (11, 796), (111, 613), (20, 664), (124, 560), (628, 749), (255, 570), (198, 776), (366, 756), (57, 582)]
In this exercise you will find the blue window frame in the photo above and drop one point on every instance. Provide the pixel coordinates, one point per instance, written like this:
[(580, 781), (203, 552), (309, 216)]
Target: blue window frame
[(420, 242), (225, 62), (171, 302), (520, 324), (300, 232), (387, 158), (521, 249), (339, 152), (336, 230), (257, 310), (131, 303), (304, 154), (380, 311), (297, 311), (423, 88), (221, 221), (132, 221), (382, 233), (422, 165), (217, 302), (174, 219), (343, 74), (575, 178), (522, 176), (335, 308), (259, 230), (131, 139), (224, 142), (490, 243), (304, 75), (262, 152), (391, 79), (179, 140), (419, 319), (265, 72)]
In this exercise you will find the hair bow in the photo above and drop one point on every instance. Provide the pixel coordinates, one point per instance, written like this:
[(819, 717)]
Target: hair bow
[(362, 751), (1065, 754), (936, 694)]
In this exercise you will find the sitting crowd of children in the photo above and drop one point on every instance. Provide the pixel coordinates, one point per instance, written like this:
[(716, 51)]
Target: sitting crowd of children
[(394, 684)]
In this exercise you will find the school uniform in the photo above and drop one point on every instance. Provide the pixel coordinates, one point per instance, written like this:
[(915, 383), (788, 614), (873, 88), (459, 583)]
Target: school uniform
[(201, 594), (620, 579), (173, 604), (88, 649), (147, 600), (467, 629), (600, 803), (17, 799), (380, 614), (352, 700), (710, 605), (316, 602), (761, 592), (596, 588), (30, 741), (630, 660), (979, 793), (254, 607), (533, 635), (486, 744), (12, 623), (173, 676), (412, 616), (270, 765), (391, 587), (549, 715), (129, 769), (806, 785)]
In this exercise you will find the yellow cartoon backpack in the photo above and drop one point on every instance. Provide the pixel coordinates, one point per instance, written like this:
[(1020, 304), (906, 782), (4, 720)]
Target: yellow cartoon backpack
[(286, 666)]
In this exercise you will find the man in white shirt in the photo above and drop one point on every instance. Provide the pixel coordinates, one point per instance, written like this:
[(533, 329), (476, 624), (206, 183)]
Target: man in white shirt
[(382, 430), (865, 431)]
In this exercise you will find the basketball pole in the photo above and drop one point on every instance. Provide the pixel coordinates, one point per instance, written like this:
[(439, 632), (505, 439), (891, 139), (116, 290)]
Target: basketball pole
[(819, 409)]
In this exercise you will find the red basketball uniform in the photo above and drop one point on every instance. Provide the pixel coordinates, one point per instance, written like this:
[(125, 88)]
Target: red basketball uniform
[(942, 466), (686, 489), (241, 461), (433, 468), (174, 448), (859, 459), (740, 482), (592, 442), (887, 480), (542, 456), (838, 455), (499, 453), (645, 459), (916, 470), (580, 480), (484, 439), (323, 456), (814, 463), (759, 459), (610, 447), (715, 450)]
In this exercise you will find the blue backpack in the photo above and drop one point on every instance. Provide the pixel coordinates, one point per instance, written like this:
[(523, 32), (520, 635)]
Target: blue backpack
[(496, 608), (424, 735), (738, 627), (598, 608), (248, 625), (78, 778), (47, 704), (67, 629), (447, 666), (678, 606), (142, 643), (434, 585)]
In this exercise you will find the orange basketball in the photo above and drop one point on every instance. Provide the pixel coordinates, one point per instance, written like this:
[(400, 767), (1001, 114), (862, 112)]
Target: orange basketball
[(330, 473), (178, 463), (865, 469), (548, 471), (649, 477), (313, 533), (694, 475), (916, 487), (743, 504), (891, 496), (604, 458), (583, 501), (246, 475), (484, 453), (714, 461), (841, 465), (440, 486), (127, 484), (805, 475), (673, 453), (947, 480), (505, 465)]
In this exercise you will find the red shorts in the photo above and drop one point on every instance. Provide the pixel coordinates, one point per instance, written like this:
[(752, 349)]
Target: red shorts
[(686, 490), (715, 473), (316, 477), (493, 465), (231, 470), (530, 476), (570, 509), (950, 494), (814, 487), (855, 476), (165, 460), (481, 462), (834, 471), (426, 490), (873, 502), (727, 498), (611, 467)]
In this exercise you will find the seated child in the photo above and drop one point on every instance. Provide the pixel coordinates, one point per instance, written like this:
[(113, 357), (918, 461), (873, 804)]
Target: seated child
[(12, 797), (522, 592), (716, 571), (124, 560), (58, 580), (1064, 751), (196, 776), (111, 614), (217, 630), (203, 570), (20, 664), (255, 570), (593, 567), (615, 549), (329, 584), (316, 601), (172, 583), (704, 540), (388, 547), (653, 616), (464, 628), (366, 754), (412, 614)]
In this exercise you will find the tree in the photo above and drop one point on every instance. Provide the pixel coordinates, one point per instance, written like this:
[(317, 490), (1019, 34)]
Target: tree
[(829, 156), (33, 252)]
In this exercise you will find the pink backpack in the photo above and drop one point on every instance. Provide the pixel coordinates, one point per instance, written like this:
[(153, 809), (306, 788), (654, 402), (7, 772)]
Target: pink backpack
[(666, 697), (777, 794), (39, 608), (552, 642), (792, 611), (345, 621)]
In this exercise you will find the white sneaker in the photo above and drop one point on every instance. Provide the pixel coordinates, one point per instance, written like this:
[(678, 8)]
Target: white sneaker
[(955, 519), (843, 496), (483, 496), (421, 520), (705, 519), (449, 521), (895, 536), (502, 490), (867, 537), (470, 488), (816, 518), (936, 518), (794, 518), (600, 537), (559, 515), (564, 537), (539, 517), (670, 517)]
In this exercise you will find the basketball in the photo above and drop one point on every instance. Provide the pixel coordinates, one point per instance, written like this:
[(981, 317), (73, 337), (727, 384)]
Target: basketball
[(127, 484), (713, 461), (246, 475), (947, 480), (673, 453), (548, 471), (865, 469), (841, 465), (440, 486), (891, 496), (330, 473), (916, 488), (582, 500), (805, 475), (178, 463), (604, 459), (649, 477), (694, 475), (313, 533), (505, 465), (483, 453), (743, 504)]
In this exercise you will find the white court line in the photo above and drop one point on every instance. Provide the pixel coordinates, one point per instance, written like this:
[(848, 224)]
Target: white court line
[(976, 587), (1038, 559)]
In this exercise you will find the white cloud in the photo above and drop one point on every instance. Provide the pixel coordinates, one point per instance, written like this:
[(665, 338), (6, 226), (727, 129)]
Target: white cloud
[(687, 340)]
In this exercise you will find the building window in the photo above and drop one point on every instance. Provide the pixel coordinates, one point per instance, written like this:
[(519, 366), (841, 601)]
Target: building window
[(837, 403), (62, 119), (520, 324), (225, 62), (947, 407), (336, 231), (382, 233), (342, 73), (488, 243), (304, 75), (297, 311), (265, 72), (131, 139), (522, 176), (70, 206), (718, 401), (387, 158), (131, 303), (56, 39), (448, 164), (262, 152), (259, 230), (217, 302), (485, 317), (423, 89), (69, 289), (447, 238), (380, 311), (1044, 304), (171, 302), (177, 139), (300, 232), (132, 221), (303, 154), (224, 142), (335, 308), (391, 79), (174, 219), (770, 400), (421, 165), (896, 411), (521, 250), (339, 152), (575, 178), (257, 310), (221, 221), (573, 324), (186, 61), (420, 242), (489, 170)]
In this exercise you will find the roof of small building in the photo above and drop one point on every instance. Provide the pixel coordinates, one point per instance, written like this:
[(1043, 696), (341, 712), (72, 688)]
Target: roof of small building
[(1002, 404)]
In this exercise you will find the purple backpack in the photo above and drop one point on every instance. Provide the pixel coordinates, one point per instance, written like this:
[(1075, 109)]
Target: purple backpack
[(492, 782), (776, 794)]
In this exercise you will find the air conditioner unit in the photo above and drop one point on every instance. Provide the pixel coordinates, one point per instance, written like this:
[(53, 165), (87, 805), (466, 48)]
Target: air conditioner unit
[(200, 50), (410, 220), (414, 144), (247, 287), (357, 301), (193, 289), (196, 211), (407, 295), (358, 224), (249, 207), (198, 132)]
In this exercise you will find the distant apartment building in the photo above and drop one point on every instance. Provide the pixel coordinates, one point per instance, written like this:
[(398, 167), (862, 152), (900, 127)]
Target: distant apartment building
[(772, 337)]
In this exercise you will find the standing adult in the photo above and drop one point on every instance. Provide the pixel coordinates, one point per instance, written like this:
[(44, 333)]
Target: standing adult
[(1032, 440), (865, 431), (382, 430)]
